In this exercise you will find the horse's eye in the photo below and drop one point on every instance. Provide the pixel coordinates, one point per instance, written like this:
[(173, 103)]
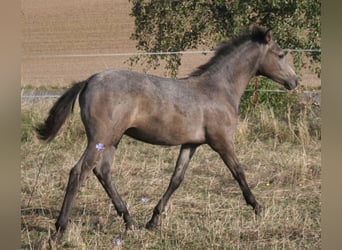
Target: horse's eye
[(281, 55)]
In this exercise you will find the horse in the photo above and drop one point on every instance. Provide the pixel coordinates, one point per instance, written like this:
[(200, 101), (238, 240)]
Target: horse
[(201, 108)]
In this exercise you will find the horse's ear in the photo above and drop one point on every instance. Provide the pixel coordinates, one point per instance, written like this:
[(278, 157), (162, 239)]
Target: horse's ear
[(268, 36)]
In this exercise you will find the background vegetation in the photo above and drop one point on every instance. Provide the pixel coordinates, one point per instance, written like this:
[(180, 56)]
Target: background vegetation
[(170, 26)]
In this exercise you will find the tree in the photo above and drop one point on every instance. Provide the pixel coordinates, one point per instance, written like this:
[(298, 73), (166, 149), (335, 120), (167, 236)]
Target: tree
[(178, 25)]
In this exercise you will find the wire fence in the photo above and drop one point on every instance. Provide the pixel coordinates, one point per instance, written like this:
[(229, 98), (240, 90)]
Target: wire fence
[(32, 95), (130, 54)]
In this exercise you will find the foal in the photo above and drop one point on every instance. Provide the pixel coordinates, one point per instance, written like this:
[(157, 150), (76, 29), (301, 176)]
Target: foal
[(199, 109)]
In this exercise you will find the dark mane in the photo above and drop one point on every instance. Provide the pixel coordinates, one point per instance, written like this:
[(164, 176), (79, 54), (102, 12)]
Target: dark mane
[(256, 33)]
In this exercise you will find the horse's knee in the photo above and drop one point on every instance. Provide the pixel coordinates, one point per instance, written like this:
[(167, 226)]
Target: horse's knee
[(176, 180), (240, 172)]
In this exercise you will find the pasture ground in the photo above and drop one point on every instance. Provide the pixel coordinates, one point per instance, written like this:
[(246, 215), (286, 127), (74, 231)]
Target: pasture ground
[(282, 161)]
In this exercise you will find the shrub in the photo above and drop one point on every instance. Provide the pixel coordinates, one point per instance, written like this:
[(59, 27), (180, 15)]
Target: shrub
[(279, 114)]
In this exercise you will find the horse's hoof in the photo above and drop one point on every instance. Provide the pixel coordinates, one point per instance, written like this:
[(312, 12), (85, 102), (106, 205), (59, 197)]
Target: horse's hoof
[(131, 225), (54, 243), (150, 225), (257, 209)]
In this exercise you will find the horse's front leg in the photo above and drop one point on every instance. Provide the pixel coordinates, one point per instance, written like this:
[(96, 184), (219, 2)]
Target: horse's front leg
[(225, 148), (185, 154)]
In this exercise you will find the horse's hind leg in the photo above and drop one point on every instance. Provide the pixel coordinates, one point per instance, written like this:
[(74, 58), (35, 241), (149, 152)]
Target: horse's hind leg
[(103, 173), (72, 187), (76, 177), (185, 154)]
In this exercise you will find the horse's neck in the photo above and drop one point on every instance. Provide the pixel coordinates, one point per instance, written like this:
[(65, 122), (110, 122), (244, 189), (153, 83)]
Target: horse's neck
[(239, 67)]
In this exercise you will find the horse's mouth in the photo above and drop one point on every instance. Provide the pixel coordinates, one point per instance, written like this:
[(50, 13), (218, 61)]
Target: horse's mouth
[(289, 85)]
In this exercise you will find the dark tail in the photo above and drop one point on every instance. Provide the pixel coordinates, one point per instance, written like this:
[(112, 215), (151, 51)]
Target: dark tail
[(59, 113)]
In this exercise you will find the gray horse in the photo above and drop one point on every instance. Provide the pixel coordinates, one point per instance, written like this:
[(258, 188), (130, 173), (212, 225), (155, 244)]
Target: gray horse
[(199, 109)]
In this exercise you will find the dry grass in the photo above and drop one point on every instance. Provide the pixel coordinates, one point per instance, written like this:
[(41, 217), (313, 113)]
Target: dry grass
[(207, 212)]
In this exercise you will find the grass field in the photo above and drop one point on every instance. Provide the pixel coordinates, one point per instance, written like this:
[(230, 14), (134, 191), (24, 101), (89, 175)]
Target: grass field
[(282, 158)]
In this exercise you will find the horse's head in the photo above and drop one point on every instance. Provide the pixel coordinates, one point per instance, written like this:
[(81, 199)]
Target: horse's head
[(274, 66)]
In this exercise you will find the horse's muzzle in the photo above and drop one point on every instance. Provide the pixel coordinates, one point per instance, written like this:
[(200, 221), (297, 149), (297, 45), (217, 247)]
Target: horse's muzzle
[(291, 84)]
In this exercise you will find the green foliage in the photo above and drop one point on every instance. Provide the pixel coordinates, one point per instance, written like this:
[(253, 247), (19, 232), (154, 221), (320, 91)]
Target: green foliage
[(268, 96), (179, 25), (278, 115)]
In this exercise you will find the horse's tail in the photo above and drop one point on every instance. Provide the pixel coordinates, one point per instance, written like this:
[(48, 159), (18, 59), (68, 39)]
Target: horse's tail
[(59, 113)]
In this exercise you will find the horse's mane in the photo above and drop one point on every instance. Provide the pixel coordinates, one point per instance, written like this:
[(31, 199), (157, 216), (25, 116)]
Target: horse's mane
[(255, 33)]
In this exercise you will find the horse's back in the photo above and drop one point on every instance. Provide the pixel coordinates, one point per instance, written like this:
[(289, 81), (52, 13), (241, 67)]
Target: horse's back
[(153, 109), (124, 84)]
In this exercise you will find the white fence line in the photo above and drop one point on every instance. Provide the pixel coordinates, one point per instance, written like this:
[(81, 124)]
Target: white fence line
[(150, 53)]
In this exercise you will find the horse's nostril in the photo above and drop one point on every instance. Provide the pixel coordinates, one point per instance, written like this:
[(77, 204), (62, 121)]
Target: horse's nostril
[(296, 81)]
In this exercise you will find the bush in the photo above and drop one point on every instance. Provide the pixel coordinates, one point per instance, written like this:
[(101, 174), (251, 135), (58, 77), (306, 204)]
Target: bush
[(270, 96), (280, 115)]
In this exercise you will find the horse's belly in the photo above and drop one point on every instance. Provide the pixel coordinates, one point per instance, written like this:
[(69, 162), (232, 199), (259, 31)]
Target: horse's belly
[(167, 135), (167, 122)]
